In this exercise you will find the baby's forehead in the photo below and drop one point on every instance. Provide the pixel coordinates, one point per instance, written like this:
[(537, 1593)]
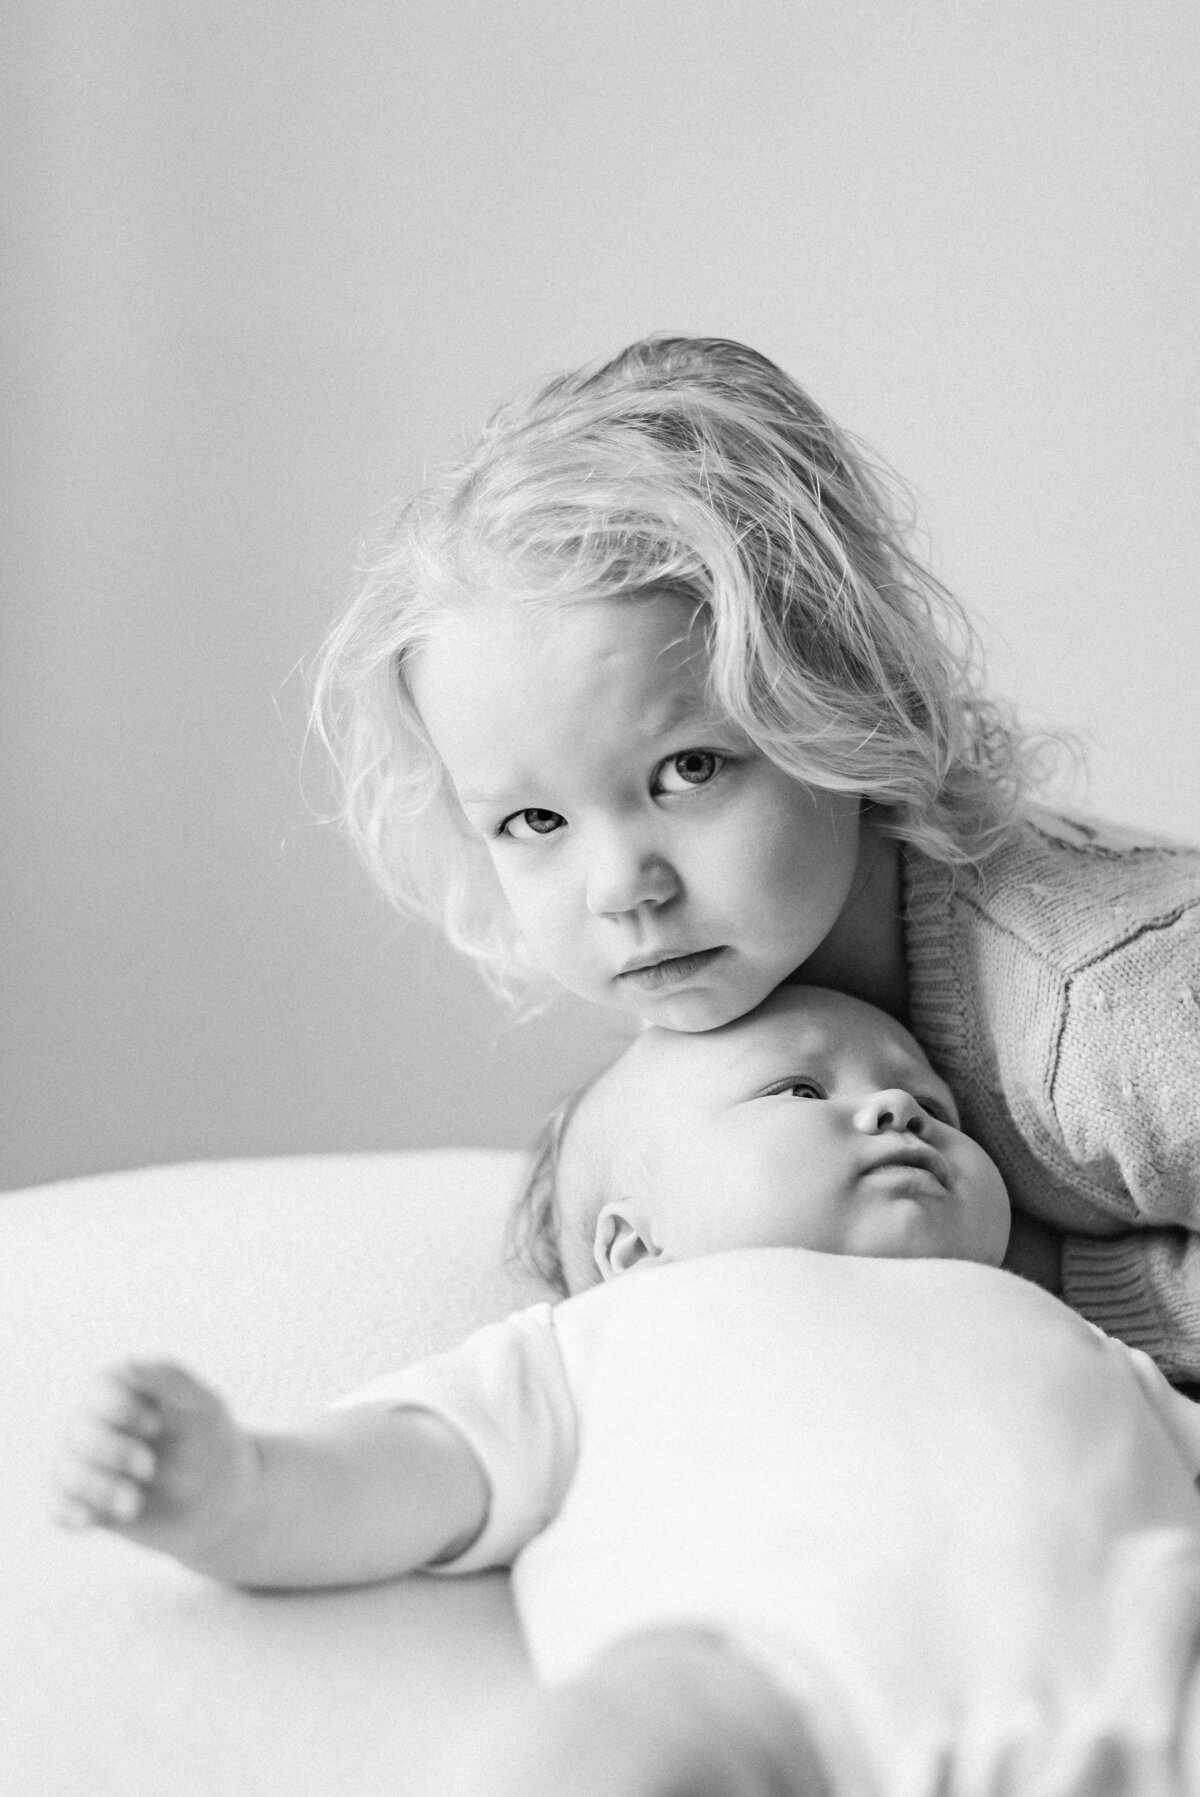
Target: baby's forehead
[(807, 1022)]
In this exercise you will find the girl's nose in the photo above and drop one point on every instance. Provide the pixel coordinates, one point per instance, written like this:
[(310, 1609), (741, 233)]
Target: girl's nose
[(891, 1110), (623, 876)]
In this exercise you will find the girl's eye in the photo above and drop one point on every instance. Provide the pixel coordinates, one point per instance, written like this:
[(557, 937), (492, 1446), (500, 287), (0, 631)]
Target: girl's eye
[(525, 825), (692, 767), (933, 1107)]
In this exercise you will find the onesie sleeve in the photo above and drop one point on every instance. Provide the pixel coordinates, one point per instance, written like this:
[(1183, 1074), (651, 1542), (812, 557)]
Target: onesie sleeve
[(504, 1390), (1126, 1095)]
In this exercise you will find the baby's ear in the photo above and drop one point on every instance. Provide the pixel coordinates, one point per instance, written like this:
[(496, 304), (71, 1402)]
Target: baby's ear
[(619, 1244)]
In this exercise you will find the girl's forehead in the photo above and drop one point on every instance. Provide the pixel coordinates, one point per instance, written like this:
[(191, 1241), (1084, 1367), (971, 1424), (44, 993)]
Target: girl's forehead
[(512, 679), (545, 626)]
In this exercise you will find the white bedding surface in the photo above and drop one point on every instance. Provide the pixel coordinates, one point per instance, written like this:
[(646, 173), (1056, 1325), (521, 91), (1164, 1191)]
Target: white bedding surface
[(287, 1282)]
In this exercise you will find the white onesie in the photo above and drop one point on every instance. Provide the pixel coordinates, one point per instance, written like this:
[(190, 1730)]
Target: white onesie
[(958, 1522)]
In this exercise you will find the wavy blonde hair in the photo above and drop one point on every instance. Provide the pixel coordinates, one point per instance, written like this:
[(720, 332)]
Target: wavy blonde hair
[(694, 465)]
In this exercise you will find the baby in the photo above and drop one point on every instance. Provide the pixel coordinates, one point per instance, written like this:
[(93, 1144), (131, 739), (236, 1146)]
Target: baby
[(826, 1504)]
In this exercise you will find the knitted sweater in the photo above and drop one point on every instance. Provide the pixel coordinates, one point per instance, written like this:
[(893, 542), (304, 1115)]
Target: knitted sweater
[(1057, 988)]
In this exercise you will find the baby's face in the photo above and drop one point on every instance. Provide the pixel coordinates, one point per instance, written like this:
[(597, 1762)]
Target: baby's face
[(816, 1122)]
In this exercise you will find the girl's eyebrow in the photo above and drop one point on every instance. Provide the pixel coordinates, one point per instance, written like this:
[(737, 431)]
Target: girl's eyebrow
[(683, 709), (480, 798), (679, 709), (674, 710)]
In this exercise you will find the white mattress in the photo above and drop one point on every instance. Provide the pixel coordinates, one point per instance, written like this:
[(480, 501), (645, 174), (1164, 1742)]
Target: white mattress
[(286, 1282)]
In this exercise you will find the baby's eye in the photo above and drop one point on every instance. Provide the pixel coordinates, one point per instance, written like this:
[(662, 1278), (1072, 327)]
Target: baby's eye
[(692, 767), (796, 1088), (524, 825), (933, 1107)]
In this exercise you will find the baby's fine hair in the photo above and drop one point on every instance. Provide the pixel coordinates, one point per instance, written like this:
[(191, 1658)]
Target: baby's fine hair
[(692, 466), (547, 1235)]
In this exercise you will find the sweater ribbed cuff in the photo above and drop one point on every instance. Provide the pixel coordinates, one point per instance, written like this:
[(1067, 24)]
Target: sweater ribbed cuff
[(1108, 1280)]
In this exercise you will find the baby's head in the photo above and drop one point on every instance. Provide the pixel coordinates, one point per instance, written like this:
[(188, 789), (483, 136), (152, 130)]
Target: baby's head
[(687, 492), (815, 1122)]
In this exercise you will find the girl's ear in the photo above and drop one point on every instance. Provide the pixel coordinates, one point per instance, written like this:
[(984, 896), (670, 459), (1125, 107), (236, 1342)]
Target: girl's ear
[(619, 1244)]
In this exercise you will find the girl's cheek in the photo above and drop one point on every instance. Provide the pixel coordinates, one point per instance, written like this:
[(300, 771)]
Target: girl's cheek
[(539, 910), (513, 876)]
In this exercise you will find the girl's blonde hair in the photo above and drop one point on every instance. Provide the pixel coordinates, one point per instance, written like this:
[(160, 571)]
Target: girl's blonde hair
[(692, 465)]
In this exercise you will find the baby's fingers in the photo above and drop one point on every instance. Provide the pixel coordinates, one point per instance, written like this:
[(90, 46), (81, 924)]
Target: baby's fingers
[(106, 1449), (119, 1398), (90, 1496), (109, 1458)]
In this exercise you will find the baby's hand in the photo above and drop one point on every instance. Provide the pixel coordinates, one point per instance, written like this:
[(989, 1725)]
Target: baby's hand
[(156, 1455)]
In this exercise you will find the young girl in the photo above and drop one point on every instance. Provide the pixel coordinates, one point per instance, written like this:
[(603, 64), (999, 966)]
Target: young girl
[(649, 697)]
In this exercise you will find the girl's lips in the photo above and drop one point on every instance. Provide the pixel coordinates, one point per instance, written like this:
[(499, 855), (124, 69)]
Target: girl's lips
[(672, 970)]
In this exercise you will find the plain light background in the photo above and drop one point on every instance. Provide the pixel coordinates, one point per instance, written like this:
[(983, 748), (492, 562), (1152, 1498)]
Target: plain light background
[(269, 260)]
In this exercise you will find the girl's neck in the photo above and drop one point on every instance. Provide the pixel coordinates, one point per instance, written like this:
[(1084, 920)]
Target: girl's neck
[(864, 952)]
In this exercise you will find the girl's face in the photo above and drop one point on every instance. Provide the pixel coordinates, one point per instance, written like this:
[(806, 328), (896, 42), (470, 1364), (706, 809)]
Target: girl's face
[(654, 859)]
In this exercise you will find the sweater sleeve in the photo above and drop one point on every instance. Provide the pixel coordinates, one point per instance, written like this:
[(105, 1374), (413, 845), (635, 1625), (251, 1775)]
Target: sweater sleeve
[(1126, 1095), (1179, 1415), (504, 1390), (1143, 1287)]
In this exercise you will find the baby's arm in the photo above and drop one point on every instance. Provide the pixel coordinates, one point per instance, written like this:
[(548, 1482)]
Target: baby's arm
[(361, 1494)]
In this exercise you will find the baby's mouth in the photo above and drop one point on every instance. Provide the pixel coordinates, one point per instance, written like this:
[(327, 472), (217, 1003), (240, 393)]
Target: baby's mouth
[(917, 1156)]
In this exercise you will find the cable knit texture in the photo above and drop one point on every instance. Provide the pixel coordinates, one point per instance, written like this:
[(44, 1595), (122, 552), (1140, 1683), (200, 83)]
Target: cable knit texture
[(1057, 988)]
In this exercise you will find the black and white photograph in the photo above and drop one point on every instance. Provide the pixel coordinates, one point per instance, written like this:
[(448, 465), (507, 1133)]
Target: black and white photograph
[(600, 995)]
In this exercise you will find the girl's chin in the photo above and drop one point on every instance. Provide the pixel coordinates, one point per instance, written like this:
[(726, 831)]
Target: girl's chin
[(691, 1013)]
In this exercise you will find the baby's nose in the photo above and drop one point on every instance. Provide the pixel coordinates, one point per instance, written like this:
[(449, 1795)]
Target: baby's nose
[(891, 1110)]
